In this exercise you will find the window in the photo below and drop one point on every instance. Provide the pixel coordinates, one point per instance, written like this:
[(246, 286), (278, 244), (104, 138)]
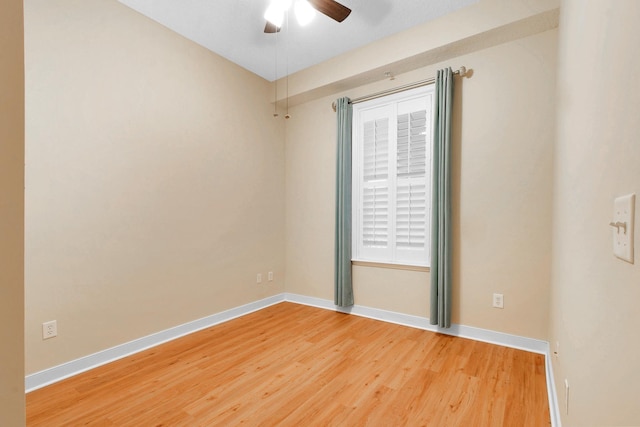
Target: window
[(392, 138)]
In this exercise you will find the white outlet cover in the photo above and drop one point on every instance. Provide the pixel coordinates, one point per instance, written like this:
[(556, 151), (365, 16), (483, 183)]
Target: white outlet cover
[(624, 212), (49, 329), (498, 300)]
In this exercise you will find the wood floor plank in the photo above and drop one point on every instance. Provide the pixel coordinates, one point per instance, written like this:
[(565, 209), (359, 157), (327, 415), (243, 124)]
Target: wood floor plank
[(293, 365)]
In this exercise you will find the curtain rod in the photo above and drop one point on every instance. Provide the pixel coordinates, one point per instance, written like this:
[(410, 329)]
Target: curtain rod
[(461, 71)]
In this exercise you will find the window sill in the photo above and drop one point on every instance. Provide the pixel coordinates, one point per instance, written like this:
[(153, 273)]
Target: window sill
[(388, 265)]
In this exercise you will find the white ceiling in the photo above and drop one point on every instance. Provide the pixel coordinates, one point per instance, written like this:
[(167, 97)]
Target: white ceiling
[(234, 29)]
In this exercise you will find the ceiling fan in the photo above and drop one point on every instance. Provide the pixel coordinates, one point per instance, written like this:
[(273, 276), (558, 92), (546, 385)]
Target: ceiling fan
[(304, 9)]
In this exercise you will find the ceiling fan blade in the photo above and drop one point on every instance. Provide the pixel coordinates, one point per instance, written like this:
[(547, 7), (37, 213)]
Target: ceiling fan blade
[(331, 8), (270, 28)]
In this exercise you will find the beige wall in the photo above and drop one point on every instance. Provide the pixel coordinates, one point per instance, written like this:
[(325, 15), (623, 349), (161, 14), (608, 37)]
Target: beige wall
[(595, 296), (154, 180), (503, 143), (11, 214), (483, 24)]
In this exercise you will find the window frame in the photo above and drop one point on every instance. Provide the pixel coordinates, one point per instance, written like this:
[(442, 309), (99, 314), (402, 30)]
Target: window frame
[(416, 259)]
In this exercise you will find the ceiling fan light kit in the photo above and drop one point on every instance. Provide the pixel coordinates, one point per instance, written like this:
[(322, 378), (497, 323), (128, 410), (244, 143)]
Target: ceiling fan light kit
[(275, 12), (277, 9), (305, 11)]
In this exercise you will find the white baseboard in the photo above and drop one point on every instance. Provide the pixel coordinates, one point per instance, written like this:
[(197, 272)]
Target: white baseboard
[(74, 367), (554, 409), (57, 373)]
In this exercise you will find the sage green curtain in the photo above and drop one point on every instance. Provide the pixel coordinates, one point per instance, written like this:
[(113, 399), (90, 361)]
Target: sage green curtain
[(441, 202), (343, 284)]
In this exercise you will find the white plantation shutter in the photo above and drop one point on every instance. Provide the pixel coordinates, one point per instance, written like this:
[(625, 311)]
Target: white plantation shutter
[(412, 144), (376, 150), (375, 217), (413, 175), (375, 175), (411, 224), (392, 176)]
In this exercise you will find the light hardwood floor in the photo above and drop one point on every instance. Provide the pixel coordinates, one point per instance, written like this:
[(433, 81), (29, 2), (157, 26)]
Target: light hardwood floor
[(293, 365)]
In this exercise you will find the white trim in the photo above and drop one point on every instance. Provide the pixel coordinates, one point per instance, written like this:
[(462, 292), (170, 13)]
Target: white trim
[(554, 409), (389, 265), (77, 366), (57, 373)]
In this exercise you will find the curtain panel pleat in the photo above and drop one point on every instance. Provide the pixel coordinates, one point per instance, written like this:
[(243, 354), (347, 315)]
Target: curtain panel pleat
[(441, 202), (343, 283)]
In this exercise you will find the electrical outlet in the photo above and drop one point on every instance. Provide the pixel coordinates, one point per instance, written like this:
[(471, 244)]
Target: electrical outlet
[(498, 301), (270, 276), (259, 278), (49, 329)]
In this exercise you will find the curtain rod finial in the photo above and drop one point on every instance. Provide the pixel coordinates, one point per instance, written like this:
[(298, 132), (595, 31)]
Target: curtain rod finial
[(462, 71)]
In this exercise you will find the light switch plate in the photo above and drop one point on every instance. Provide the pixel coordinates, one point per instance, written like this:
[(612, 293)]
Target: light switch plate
[(624, 213)]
